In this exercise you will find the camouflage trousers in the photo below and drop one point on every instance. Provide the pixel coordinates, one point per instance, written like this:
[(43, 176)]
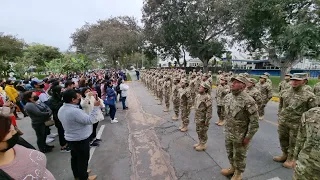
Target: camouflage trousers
[(237, 153), (287, 136), (202, 132), (185, 112), (220, 112), (305, 172), (193, 96), (160, 95), (261, 109), (167, 100), (176, 105)]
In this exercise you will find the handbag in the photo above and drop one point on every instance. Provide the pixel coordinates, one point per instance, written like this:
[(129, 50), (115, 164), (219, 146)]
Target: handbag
[(109, 101), (50, 122)]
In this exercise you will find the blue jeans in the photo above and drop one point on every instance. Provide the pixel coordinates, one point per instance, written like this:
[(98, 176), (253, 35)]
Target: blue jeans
[(113, 110), (123, 100)]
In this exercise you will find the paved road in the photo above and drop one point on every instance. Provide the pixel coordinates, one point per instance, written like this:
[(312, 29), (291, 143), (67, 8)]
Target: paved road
[(147, 145)]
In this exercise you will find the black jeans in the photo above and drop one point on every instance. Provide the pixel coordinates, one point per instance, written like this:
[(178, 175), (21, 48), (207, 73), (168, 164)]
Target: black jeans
[(80, 154), (94, 131), (123, 100), (41, 133), (59, 126), (112, 111)]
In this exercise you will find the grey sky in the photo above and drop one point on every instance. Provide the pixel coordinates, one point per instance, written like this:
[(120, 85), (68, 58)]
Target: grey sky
[(51, 22)]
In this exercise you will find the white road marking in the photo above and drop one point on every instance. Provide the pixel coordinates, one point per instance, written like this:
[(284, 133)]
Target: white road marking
[(98, 137), (275, 178)]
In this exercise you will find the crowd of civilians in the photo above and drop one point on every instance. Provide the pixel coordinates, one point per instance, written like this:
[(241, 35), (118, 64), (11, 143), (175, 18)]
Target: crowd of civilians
[(74, 103)]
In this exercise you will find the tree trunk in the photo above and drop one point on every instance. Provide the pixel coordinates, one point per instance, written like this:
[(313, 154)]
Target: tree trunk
[(178, 60), (283, 71), (184, 59), (205, 65)]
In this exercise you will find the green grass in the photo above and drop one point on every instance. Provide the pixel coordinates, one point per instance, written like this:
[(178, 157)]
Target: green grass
[(40, 76), (275, 82)]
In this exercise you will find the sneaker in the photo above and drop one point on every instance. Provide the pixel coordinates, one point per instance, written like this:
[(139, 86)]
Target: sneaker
[(115, 118), (94, 143), (66, 149), (114, 121), (49, 140), (52, 135)]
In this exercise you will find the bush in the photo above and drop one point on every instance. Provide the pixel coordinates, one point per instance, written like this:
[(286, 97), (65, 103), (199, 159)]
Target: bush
[(128, 77)]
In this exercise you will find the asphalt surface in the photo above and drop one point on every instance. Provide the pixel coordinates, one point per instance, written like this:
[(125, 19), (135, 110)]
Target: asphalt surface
[(147, 145)]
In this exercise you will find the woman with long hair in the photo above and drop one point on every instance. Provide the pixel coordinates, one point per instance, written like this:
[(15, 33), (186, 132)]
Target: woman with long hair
[(55, 104), (18, 162)]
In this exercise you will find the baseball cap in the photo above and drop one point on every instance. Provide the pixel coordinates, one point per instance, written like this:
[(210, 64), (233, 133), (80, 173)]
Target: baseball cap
[(299, 76)]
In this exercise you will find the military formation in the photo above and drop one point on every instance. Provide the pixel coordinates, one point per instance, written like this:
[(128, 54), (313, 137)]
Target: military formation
[(241, 102)]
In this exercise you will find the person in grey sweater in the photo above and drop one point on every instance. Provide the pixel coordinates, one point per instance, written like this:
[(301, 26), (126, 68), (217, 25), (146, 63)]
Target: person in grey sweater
[(39, 114), (78, 127)]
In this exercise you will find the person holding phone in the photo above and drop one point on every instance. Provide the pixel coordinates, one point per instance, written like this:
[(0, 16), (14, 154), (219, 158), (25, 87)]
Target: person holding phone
[(87, 104)]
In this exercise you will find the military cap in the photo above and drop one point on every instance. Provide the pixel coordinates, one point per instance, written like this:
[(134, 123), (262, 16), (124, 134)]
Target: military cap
[(289, 75), (299, 76), (240, 78), (205, 85), (253, 80), (264, 77), (219, 71), (246, 74), (176, 79), (267, 74), (194, 74)]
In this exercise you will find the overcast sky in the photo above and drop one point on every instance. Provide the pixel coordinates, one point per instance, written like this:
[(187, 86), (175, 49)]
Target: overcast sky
[(51, 22)]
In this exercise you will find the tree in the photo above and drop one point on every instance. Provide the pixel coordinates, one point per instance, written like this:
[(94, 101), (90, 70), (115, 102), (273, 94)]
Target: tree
[(285, 30), (195, 26), (40, 54), (112, 39), (10, 49)]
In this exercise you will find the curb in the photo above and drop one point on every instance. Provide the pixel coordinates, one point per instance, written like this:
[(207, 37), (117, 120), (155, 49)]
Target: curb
[(275, 99)]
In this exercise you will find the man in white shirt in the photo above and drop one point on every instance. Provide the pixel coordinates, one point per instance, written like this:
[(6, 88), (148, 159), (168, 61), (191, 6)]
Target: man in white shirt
[(124, 93)]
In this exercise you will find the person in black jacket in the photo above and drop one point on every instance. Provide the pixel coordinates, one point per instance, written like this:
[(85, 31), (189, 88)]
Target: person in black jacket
[(55, 104)]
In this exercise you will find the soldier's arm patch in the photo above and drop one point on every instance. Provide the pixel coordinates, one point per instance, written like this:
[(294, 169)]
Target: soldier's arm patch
[(252, 108)]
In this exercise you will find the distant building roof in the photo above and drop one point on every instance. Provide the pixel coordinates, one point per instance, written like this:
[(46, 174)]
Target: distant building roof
[(244, 60)]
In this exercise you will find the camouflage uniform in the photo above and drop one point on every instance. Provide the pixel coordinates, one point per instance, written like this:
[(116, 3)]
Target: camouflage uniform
[(308, 88), (176, 98), (159, 89), (307, 150), (266, 94), (254, 92), (193, 88), (293, 103), (167, 92), (242, 123), (284, 85), (316, 89), (185, 105), (203, 114), (221, 92)]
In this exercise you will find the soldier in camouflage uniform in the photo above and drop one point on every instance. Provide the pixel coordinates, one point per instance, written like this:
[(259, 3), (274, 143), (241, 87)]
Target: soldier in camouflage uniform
[(266, 94), (307, 151), (193, 89), (307, 87), (203, 114), (242, 118), (268, 80), (253, 91), (167, 92), (185, 104), (159, 89), (176, 98), (316, 88), (293, 103), (218, 77), (197, 82), (285, 84), (221, 91)]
